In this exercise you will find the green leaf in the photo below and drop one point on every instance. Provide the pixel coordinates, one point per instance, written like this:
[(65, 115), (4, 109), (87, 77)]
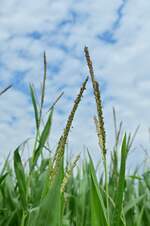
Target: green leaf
[(49, 211), (43, 139), (3, 177), (20, 177), (34, 102), (133, 203), (139, 217), (43, 87), (98, 210), (121, 185)]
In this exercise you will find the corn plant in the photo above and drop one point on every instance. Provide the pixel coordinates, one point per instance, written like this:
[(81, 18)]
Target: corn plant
[(45, 190)]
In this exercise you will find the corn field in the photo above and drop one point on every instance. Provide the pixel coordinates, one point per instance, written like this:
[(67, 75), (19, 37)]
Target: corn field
[(47, 191)]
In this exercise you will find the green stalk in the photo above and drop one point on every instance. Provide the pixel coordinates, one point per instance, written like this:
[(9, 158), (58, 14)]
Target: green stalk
[(99, 123), (107, 188)]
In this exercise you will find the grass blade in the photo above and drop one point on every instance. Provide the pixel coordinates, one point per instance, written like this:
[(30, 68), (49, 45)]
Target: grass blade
[(34, 102), (7, 88), (20, 177), (98, 210), (121, 185), (43, 139)]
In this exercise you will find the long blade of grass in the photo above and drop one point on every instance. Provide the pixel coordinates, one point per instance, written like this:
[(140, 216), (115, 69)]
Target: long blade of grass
[(43, 139), (49, 210), (4, 90), (98, 210), (133, 203), (35, 106), (2, 178), (121, 185), (20, 177), (43, 87)]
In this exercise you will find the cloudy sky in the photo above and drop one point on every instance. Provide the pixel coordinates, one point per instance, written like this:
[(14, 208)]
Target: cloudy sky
[(117, 34)]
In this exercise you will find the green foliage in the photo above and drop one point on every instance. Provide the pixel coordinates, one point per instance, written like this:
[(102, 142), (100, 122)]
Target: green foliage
[(31, 192), (20, 178), (98, 210)]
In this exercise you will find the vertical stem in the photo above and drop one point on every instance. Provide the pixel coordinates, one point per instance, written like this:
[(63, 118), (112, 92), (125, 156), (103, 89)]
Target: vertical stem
[(106, 188)]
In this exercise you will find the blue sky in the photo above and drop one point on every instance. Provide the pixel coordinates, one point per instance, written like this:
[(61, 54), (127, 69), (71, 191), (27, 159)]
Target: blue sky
[(117, 34)]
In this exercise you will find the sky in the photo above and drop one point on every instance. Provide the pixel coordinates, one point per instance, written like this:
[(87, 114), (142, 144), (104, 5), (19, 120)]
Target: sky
[(117, 35)]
